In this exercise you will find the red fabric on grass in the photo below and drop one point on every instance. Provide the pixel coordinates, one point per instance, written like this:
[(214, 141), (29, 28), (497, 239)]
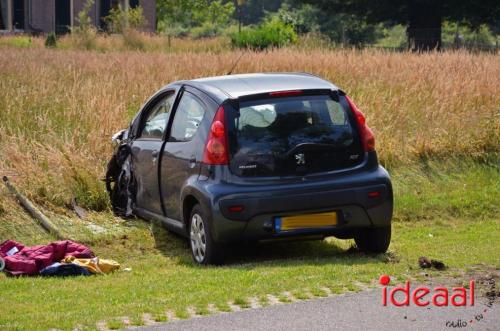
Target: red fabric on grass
[(30, 260), (8, 245)]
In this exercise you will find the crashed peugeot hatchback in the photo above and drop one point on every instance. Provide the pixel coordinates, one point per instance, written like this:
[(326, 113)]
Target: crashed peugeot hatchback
[(246, 158)]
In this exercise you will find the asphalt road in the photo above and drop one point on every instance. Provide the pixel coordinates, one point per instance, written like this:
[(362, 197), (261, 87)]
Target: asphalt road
[(353, 311)]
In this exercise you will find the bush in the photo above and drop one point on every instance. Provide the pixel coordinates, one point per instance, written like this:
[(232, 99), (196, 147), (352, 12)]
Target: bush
[(84, 34), (304, 18), (89, 191), (315, 40), (172, 30), (85, 39), (272, 33), (455, 35), (51, 40), (393, 37), (207, 30), (17, 41), (120, 20), (133, 39)]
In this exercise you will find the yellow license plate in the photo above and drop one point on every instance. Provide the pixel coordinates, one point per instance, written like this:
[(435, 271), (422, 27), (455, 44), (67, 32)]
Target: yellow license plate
[(307, 221)]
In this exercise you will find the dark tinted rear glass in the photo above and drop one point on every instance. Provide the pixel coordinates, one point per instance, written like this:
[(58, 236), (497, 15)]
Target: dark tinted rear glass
[(292, 136)]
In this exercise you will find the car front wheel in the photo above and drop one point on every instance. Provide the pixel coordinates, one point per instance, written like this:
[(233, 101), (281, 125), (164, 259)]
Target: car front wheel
[(203, 248), (373, 240)]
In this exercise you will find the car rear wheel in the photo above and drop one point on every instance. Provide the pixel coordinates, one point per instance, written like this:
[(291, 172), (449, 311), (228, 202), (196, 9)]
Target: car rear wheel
[(203, 248), (373, 240)]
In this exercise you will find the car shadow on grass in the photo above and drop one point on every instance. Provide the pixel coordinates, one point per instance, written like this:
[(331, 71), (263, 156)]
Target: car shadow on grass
[(284, 253)]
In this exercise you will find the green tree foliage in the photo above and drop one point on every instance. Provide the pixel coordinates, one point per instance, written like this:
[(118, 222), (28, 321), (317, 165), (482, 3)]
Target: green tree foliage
[(272, 33), (472, 12), (216, 13), (84, 33), (423, 17), (83, 19), (119, 19), (347, 22), (340, 28), (213, 19), (204, 18), (303, 18), (348, 29), (51, 40), (393, 37), (177, 12), (254, 11), (456, 36)]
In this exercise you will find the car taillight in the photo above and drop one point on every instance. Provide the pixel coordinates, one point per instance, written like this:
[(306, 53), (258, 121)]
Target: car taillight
[(236, 208), (216, 151), (367, 137)]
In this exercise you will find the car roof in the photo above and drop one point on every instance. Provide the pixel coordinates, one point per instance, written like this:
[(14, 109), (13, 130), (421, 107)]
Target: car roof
[(236, 86)]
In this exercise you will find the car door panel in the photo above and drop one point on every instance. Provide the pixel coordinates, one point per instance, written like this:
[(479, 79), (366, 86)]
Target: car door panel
[(145, 169), (175, 169), (146, 152), (181, 157)]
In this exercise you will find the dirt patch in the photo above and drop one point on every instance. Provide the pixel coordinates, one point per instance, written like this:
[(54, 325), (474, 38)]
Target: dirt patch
[(486, 280)]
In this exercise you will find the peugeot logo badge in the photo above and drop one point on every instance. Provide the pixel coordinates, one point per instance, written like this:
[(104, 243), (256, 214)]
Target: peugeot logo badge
[(300, 158)]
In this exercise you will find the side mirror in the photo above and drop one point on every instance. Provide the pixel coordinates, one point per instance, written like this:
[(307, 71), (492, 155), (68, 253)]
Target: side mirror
[(118, 137)]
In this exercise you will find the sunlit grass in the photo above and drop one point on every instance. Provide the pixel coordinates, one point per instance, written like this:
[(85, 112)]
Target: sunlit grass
[(164, 277), (59, 108), (163, 280)]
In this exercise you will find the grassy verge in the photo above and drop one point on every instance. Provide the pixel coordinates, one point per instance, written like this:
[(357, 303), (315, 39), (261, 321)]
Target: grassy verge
[(163, 277), (452, 188), (449, 215)]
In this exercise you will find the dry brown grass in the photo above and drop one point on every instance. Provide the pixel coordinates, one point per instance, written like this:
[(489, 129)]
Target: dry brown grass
[(59, 108), (135, 40), (131, 40)]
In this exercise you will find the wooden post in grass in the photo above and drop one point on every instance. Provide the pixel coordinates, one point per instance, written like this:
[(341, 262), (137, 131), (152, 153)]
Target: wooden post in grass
[(33, 210)]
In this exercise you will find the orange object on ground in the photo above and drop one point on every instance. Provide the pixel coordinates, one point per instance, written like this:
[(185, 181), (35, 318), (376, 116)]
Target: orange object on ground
[(94, 265)]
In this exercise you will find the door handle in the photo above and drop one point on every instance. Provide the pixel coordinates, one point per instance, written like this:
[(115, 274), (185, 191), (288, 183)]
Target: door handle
[(192, 162), (154, 154)]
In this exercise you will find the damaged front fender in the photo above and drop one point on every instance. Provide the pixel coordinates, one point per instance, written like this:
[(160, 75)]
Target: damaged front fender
[(119, 177)]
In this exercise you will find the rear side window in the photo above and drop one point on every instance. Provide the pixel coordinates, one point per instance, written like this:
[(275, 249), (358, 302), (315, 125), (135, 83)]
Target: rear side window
[(187, 118), (292, 136)]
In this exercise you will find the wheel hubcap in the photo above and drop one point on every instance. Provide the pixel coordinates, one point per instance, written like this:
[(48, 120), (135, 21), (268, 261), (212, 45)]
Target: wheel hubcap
[(198, 238)]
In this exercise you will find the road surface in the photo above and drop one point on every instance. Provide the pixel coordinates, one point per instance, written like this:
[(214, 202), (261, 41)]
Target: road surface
[(352, 311)]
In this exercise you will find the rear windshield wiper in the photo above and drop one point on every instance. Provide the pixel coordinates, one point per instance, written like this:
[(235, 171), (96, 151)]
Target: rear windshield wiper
[(310, 147)]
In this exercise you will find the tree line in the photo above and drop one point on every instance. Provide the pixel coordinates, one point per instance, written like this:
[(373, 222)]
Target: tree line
[(418, 24)]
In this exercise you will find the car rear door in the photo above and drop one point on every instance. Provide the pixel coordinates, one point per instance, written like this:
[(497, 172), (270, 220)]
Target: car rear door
[(183, 150), (146, 149)]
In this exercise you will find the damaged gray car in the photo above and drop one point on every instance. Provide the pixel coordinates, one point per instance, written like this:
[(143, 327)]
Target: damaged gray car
[(253, 157)]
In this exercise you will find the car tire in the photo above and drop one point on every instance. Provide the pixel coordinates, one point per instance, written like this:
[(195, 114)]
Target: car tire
[(204, 249), (373, 240)]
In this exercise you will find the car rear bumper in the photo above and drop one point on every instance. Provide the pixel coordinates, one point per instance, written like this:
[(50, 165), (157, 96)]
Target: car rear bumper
[(356, 206)]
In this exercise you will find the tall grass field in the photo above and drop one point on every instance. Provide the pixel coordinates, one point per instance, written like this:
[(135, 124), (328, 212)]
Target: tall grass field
[(59, 108)]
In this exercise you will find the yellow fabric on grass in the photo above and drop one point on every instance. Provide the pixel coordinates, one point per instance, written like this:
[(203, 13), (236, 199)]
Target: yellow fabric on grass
[(95, 265)]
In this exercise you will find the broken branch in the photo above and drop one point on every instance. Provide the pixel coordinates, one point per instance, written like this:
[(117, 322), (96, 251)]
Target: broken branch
[(33, 210)]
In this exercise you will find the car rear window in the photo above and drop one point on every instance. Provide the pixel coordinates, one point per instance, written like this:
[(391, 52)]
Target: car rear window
[(292, 136)]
